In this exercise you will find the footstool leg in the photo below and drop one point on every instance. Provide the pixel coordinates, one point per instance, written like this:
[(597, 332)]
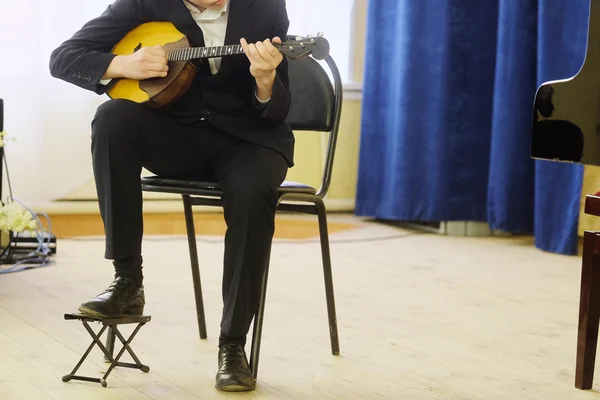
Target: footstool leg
[(138, 364), (72, 375), (110, 344), (122, 351)]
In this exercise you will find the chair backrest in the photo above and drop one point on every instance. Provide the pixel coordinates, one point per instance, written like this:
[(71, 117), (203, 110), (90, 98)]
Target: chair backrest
[(316, 105)]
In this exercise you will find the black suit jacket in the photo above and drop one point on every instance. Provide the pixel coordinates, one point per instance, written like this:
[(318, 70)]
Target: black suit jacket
[(227, 99)]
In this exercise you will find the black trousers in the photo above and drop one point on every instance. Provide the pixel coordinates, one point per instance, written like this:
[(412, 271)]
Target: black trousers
[(127, 136)]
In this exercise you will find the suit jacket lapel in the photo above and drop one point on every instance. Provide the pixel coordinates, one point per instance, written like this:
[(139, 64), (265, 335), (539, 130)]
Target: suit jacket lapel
[(181, 17), (237, 21), (237, 26)]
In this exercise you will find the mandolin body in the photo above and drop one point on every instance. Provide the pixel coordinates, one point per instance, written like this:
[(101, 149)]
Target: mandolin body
[(155, 93)]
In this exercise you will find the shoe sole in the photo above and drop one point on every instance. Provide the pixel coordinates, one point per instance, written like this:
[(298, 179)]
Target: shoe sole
[(93, 313), (235, 388)]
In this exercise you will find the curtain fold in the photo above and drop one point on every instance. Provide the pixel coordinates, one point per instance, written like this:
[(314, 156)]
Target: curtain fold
[(510, 194), (448, 108), (429, 61)]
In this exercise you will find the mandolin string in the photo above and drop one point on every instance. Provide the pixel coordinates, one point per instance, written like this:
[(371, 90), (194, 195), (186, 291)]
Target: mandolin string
[(190, 53)]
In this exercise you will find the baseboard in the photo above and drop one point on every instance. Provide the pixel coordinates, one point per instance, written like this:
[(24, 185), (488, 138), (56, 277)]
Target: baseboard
[(459, 228), (165, 217), (153, 206), (296, 227), (340, 205), (90, 207)]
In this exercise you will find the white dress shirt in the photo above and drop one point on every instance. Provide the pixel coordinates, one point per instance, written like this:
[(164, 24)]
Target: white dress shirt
[(213, 24)]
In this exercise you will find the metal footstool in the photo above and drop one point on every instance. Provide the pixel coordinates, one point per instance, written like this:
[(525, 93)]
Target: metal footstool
[(110, 324)]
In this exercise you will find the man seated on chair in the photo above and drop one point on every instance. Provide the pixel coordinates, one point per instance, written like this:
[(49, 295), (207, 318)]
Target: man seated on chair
[(228, 128)]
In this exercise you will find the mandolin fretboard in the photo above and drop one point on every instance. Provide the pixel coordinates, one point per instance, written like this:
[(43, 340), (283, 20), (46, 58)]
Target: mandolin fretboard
[(192, 53)]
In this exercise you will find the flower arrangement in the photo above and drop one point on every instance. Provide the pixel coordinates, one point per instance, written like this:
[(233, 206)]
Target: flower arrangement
[(16, 218), (2, 135), (3, 138), (13, 216)]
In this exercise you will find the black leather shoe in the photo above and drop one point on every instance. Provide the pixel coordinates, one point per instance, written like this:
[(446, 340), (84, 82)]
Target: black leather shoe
[(234, 373), (122, 297)]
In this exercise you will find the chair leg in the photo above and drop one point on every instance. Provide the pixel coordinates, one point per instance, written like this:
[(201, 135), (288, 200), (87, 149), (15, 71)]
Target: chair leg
[(589, 313), (323, 231), (191, 234), (258, 323)]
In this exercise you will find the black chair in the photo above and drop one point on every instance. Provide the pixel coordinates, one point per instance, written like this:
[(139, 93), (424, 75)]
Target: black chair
[(316, 106)]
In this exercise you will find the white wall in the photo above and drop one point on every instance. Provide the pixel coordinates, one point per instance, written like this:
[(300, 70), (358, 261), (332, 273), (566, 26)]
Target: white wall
[(334, 19), (51, 119)]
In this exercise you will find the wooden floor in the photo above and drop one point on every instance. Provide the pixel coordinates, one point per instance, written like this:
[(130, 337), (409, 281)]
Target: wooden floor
[(420, 317)]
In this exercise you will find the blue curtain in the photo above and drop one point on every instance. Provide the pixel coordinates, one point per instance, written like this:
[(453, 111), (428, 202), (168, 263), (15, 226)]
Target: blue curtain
[(447, 114)]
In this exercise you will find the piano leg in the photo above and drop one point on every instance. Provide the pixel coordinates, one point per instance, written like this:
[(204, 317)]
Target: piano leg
[(589, 312)]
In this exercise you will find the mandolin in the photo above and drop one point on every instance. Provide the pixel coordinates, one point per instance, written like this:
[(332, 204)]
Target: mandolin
[(157, 93)]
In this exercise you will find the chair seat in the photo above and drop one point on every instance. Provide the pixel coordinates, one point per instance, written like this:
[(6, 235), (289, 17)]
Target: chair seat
[(182, 186)]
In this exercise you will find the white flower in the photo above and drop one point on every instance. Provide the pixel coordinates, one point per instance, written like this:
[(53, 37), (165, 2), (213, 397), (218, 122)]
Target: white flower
[(3, 134), (15, 218), (5, 138)]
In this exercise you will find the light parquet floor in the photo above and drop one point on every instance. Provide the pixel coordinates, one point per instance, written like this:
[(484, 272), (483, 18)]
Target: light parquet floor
[(420, 316)]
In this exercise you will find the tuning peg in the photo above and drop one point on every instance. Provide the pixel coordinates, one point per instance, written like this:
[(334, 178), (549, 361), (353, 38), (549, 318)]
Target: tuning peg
[(320, 34)]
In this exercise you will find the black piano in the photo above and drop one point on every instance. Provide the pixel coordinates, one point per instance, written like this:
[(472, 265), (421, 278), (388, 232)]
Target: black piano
[(566, 128), (566, 118)]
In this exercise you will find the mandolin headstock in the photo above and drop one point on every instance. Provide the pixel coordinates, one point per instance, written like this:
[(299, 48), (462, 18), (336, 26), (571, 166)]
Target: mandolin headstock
[(300, 47)]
